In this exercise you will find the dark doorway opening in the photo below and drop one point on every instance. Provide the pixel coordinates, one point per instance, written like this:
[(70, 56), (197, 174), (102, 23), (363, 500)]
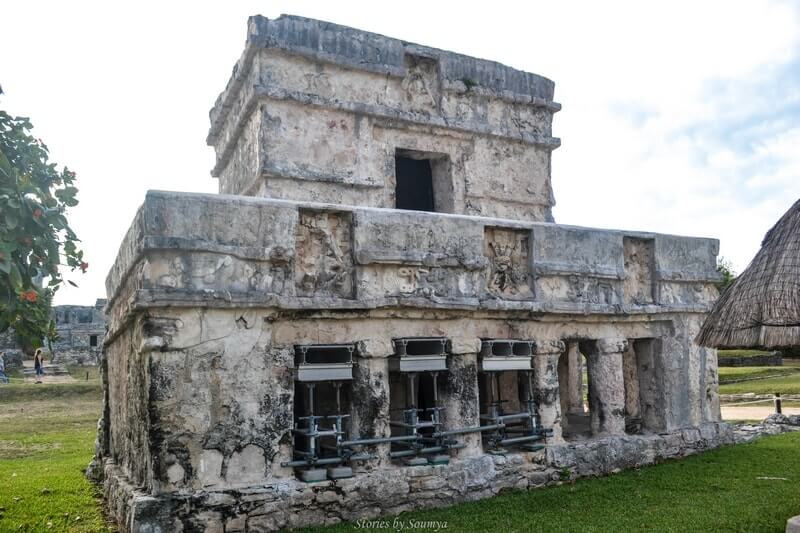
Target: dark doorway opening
[(425, 397), (414, 186)]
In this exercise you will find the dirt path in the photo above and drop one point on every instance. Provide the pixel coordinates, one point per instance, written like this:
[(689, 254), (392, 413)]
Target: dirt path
[(754, 412)]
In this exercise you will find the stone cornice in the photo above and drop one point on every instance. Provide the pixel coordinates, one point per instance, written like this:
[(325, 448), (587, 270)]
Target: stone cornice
[(223, 248), (365, 51)]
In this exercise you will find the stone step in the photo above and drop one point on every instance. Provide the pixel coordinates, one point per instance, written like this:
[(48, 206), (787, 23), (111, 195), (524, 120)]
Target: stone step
[(51, 370)]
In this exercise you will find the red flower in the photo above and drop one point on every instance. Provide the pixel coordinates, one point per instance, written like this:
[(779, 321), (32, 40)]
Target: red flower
[(84, 266), (30, 296), (37, 213)]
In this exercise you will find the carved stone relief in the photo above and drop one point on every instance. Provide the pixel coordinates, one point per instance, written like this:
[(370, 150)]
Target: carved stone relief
[(421, 82), (381, 281), (324, 262), (509, 270), (677, 293), (440, 282), (212, 271), (587, 289), (639, 258)]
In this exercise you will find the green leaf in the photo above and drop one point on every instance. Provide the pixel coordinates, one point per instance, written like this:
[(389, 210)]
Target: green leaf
[(30, 245), (11, 220), (15, 277)]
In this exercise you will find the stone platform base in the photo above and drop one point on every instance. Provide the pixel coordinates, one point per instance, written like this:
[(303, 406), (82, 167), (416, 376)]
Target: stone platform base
[(291, 503)]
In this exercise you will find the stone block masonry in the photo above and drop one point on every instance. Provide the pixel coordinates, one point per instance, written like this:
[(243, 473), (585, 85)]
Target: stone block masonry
[(382, 316), (290, 503), (205, 314), (316, 111), (80, 330)]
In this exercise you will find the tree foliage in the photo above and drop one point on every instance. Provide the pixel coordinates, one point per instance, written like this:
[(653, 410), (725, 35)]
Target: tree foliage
[(725, 267), (36, 242)]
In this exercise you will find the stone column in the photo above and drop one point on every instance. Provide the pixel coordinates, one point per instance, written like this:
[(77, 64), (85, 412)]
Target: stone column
[(370, 406), (607, 393), (630, 372), (575, 379), (460, 400), (650, 369), (563, 389), (545, 385)]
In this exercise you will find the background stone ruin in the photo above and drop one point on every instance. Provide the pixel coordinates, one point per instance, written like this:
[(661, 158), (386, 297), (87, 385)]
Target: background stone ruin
[(80, 329)]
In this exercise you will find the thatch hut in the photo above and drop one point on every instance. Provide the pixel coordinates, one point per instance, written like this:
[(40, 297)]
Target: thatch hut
[(761, 308)]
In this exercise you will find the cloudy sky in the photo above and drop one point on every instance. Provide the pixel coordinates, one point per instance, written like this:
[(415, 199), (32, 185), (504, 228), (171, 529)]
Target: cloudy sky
[(680, 117)]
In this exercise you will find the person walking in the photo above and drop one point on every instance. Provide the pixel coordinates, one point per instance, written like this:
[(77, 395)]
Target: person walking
[(3, 377), (38, 364)]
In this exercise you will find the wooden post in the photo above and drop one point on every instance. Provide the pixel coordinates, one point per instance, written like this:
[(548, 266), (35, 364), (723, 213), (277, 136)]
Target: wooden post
[(87, 376), (777, 399)]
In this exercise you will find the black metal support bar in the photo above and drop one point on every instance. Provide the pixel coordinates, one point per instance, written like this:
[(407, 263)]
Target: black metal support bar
[(518, 440), (462, 431), (326, 461), (423, 451), (379, 440)]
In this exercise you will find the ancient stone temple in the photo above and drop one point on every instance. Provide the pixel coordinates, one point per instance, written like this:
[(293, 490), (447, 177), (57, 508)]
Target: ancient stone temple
[(80, 329), (378, 314)]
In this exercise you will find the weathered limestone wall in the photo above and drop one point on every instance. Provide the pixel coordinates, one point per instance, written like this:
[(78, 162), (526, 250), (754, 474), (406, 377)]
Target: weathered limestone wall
[(311, 114), (223, 399), (126, 423), (689, 375), (292, 504), (205, 312), (216, 386), (296, 255), (218, 412), (12, 350)]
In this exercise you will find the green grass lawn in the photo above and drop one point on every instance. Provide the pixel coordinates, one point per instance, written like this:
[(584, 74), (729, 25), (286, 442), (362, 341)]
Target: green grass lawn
[(727, 373), (787, 382), (721, 490), (82, 372), (46, 440)]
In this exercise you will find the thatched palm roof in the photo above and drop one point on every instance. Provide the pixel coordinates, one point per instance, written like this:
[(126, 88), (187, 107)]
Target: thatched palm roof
[(761, 308)]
